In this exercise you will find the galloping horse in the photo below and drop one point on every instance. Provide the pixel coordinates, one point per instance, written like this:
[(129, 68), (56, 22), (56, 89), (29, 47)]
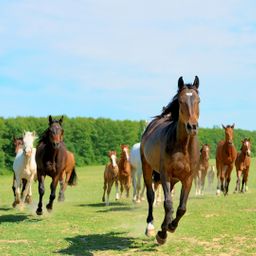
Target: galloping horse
[(24, 167), (69, 175), (203, 168), (51, 159), (170, 146), (242, 163), (136, 168), (124, 170), (110, 176), (225, 159)]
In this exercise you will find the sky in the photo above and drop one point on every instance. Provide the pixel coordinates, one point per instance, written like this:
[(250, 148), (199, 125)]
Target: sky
[(122, 59)]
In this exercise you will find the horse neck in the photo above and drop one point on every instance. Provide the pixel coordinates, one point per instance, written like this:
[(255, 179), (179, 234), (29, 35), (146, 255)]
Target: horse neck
[(230, 149), (182, 137)]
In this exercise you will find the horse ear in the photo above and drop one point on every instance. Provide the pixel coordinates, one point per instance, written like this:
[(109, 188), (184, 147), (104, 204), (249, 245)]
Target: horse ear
[(196, 82), (61, 120), (180, 83), (223, 126), (50, 119), (233, 126)]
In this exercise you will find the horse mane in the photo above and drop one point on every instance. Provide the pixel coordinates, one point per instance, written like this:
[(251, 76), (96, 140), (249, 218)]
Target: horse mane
[(44, 137), (172, 108)]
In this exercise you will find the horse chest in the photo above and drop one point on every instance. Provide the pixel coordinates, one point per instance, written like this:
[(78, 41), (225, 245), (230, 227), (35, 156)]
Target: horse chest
[(179, 166)]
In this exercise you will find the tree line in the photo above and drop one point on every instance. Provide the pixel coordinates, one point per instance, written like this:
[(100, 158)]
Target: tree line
[(90, 139)]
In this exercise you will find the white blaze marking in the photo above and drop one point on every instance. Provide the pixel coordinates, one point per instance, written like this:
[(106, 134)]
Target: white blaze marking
[(189, 94), (113, 157)]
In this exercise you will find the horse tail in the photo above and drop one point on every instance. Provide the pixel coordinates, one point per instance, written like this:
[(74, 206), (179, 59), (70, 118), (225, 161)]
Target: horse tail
[(73, 178)]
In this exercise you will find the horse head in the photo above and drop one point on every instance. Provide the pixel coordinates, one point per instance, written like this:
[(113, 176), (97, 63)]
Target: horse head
[(229, 133), (112, 157), (188, 99), (28, 140), (125, 152), (246, 146), (55, 132), (18, 143), (205, 152)]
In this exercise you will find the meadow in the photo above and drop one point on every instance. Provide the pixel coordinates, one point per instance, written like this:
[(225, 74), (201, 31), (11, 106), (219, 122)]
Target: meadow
[(83, 225)]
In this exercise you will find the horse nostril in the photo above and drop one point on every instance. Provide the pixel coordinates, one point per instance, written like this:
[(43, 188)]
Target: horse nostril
[(194, 126), (189, 127)]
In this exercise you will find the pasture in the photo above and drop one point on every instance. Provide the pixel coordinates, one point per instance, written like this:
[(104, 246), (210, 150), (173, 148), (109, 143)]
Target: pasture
[(83, 225)]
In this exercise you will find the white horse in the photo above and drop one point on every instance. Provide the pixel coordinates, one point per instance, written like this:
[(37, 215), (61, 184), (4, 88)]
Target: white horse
[(135, 161), (24, 167)]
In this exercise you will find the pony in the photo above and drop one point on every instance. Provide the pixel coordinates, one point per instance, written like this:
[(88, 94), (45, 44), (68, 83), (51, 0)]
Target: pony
[(225, 159), (51, 159), (110, 176), (124, 170), (136, 169), (242, 164), (24, 167), (210, 176), (203, 168), (69, 176), (170, 146)]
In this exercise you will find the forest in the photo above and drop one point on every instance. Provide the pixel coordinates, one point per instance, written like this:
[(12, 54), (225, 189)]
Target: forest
[(90, 139)]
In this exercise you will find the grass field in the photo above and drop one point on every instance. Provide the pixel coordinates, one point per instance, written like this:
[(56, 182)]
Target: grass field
[(82, 225)]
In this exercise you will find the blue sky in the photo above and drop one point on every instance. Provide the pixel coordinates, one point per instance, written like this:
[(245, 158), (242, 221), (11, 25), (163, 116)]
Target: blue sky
[(122, 59)]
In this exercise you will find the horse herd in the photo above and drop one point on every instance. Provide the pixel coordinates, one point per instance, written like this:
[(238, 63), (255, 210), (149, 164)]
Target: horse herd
[(168, 152)]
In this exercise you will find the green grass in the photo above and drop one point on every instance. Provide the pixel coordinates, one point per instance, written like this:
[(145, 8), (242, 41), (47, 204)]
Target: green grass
[(82, 225)]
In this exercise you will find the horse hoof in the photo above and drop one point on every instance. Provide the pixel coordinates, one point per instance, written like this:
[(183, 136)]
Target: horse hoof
[(171, 228), (28, 200), (161, 237), (150, 230), (61, 199), (14, 204), (49, 208), (39, 212)]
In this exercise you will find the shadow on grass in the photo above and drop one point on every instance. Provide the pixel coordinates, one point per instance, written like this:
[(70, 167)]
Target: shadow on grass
[(112, 241), (12, 218), (5, 209), (103, 204)]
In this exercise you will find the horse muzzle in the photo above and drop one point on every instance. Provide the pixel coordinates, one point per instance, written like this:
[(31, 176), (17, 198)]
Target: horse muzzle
[(56, 145), (192, 128)]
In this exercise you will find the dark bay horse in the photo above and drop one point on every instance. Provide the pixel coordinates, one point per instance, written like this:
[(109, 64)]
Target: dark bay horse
[(125, 174), (203, 168), (225, 159), (51, 158), (170, 146), (242, 163)]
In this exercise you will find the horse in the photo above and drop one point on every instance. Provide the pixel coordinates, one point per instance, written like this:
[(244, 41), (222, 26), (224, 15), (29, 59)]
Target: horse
[(110, 176), (51, 159), (69, 176), (203, 168), (124, 170), (136, 168), (18, 146), (242, 164), (170, 146), (210, 176), (225, 159), (24, 167)]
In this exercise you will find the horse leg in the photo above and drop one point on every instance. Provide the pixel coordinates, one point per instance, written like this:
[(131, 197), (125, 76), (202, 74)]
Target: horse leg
[(238, 181), (28, 198), (39, 210), (128, 185), (203, 175), (186, 187), (134, 184), (61, 196), (13, 185), (116, 185), (110, 184), (244, 181), (104, 190), (162, 235), (53, 191), (147, 174), (227, 178), (17, 191), (138, 188), (218, 167)]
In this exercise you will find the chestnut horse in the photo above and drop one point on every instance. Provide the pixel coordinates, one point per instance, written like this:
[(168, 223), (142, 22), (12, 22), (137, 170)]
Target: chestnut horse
[(242, 163), (69, 176), (110, 176), (124, 170), (225, 159), (51, 159), (170, 146), (203, 168)]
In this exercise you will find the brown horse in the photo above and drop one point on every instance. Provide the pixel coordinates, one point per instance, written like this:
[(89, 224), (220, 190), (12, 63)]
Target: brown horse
[(69, 176), (110, 176), (170, 146), (124, 170), (242, 163), (225, 159), (51, 159), (203, 168)]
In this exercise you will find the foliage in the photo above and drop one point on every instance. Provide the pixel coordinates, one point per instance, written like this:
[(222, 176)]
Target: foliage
[(90, 139)]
